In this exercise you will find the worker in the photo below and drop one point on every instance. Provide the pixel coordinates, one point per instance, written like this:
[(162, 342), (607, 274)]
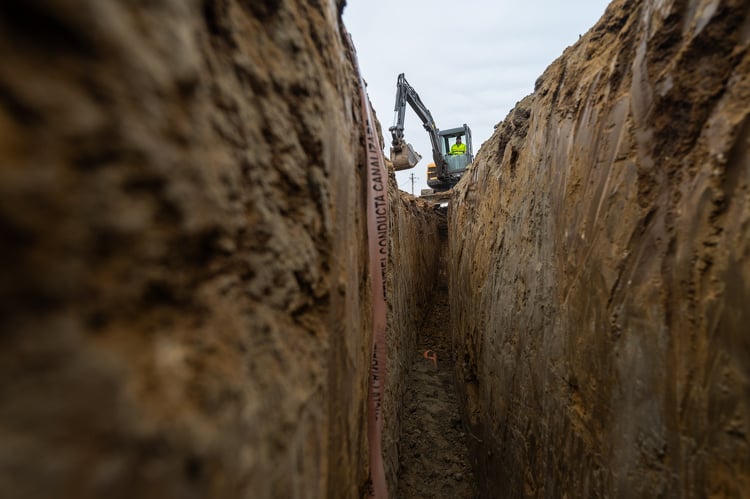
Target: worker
[(458, 147)]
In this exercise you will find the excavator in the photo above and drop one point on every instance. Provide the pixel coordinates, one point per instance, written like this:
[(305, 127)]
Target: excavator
[(447, 168)]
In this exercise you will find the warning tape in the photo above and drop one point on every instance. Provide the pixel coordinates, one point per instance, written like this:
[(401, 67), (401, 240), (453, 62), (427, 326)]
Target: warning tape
[(377, 235)]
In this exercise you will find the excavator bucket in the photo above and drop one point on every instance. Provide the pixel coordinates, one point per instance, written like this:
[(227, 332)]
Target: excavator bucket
[(404, 157)]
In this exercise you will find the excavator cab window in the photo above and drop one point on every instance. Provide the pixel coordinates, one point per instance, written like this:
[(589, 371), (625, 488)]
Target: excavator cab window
[(444, 146), (449, 141)]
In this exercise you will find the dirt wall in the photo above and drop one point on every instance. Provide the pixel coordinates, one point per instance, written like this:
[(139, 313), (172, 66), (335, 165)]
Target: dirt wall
[(185, 301), (416, 249), (601, 265)]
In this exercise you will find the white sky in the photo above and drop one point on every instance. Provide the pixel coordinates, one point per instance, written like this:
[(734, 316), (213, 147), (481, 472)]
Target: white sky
[(470, 61)]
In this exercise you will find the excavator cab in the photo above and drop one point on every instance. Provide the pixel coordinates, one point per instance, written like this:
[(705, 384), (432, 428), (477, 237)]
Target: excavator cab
[(454, 164), (457, 162)]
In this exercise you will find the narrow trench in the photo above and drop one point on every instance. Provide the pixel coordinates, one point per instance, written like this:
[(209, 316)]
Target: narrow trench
[(434, 458)]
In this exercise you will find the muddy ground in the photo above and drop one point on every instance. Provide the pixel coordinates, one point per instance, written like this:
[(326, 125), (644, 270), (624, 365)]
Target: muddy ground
[(434, 456)]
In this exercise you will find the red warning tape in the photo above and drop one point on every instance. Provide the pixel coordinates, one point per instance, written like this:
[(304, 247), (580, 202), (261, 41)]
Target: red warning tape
[(377, 235)]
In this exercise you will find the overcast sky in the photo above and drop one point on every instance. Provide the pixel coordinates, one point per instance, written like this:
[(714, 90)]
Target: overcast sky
[(469, 61)]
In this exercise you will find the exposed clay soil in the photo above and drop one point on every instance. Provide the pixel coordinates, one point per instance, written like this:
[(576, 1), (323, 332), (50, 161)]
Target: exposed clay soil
[(434, 456), (600, 266)]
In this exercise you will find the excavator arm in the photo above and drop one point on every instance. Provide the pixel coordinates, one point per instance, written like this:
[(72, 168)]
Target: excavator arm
[(403, 155), (447, 168)]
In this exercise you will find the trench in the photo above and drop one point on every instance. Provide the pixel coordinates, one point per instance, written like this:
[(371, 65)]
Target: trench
[(187, 306), (434, 457)]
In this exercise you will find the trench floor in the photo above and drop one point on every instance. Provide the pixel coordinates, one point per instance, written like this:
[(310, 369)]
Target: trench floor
[(434, 458)]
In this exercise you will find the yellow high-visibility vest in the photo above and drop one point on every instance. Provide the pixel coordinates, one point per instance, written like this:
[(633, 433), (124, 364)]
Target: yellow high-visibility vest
[(458, 149)]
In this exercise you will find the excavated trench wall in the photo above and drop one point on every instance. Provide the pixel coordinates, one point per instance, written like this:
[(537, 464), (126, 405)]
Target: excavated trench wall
[(185, 306), (600, 276), (416, 249)]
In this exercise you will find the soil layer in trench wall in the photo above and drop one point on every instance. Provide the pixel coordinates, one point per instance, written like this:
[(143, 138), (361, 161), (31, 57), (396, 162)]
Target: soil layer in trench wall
[(184, 306), (600, 251)]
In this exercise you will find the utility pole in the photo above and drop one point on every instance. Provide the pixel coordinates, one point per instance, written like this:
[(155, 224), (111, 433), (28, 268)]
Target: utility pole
[(413, 178)]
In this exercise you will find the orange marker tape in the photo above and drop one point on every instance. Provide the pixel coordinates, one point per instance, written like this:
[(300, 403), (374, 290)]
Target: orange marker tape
[(432, 357)]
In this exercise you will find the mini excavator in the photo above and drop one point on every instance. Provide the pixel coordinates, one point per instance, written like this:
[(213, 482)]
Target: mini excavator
[(447, 168)]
